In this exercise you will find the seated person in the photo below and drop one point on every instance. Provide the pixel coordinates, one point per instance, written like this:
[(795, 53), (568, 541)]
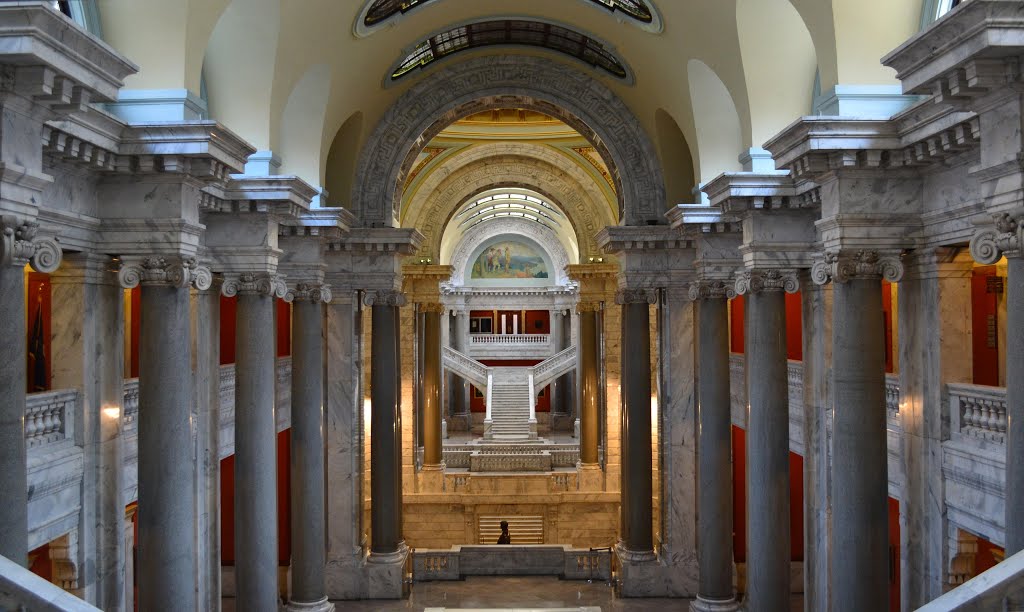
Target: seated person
[(504, 538)]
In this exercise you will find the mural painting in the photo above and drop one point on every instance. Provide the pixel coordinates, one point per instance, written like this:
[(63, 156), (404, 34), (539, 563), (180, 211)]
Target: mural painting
[(509, 260)]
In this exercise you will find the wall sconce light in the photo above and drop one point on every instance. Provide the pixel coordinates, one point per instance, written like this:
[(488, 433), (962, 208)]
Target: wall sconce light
[(596, 259), (425, 260)]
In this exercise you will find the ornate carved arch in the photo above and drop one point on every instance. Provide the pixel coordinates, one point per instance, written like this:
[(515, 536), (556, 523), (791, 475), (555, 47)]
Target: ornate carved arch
[(544, 237), (503, 81)]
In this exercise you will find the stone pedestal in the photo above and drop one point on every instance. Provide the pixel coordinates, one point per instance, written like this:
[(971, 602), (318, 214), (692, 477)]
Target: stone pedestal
[(385, 575)]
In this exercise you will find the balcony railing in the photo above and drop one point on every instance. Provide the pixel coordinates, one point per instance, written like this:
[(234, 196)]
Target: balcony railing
[(49, 417), (978, 411), (513, 339)]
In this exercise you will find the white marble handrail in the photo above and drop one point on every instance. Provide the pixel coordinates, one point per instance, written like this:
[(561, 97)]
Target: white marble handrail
[(980, 411), (49, 416), (1001, 587), (553, 367), (466, 367), (21, 589), (130, 405), (892, 394), (509, 339)]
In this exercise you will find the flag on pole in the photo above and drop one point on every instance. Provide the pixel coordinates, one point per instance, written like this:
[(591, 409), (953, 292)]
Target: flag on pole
[(37, 353)]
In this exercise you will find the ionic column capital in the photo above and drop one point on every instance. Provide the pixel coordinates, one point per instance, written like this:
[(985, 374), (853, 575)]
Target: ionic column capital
[(384, 297), (588, 306), (758, 280), (636, 296), (178, 272), (1004, 237), (844, 266), (707, 289), (308, 292), (254, 283), (433, 307), (20, 244)]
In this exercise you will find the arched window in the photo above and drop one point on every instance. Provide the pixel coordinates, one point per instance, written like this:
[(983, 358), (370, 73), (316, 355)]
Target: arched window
[(380, 11), (511, 32), (507, 204)]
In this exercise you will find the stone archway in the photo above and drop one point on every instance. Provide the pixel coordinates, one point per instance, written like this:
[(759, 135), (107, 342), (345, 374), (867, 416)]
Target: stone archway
[(533, 83), (542, 236)]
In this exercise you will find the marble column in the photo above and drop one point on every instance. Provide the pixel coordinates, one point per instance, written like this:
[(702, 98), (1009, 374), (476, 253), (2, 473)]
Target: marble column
[(255, 440), (461, 343), (714, 448), (1005, 237), (87, 353), (637, 544), (768, 533), (19, 245), (860, 528), (206, 367), (129, 555), (167, 521), (431, 384), (387, 544), (308, 513), (589, 382)]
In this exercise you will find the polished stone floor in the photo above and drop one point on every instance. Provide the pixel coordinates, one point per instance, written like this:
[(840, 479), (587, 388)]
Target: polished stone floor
[(512, 593)]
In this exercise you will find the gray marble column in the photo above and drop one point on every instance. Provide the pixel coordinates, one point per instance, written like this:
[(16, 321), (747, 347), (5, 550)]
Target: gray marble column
[(714, 448), (19, 245), (308, 512), (87, 353), (431, 383), (768, 533), (256, 546), (637, 543), (206, 367), (385, 428), (167, 522), (589, 382), (860, 528)]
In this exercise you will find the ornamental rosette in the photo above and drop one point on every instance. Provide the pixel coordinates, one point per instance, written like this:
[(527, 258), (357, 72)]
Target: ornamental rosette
[(384, 297), (308, 292), (711, 289), (842, 266), (20, 245), (161, 271), (253, 283), (1004, 237), (760, 280), (636, 296)]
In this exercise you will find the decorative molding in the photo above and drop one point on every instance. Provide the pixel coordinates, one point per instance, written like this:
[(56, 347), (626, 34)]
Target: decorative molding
[(384, 297), (157, 271), (588, 306), (760, 280), (258, 283), (20, 244), (432, 307), (711, 289), (636, 296), (308, 292), (843, 266), (1004, 237)]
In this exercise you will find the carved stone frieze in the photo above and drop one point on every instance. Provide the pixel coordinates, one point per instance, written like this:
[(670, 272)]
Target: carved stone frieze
[(711, 289), (434, 307), (582, 307), (169, 271), (258, 283), (308, 292), (843, 266), (384, 297), (20, 244), (636, 296), (1004, 237), (758, 280)]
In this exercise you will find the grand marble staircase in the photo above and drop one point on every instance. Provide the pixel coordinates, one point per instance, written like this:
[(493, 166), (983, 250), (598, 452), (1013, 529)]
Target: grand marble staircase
[(510, 405)]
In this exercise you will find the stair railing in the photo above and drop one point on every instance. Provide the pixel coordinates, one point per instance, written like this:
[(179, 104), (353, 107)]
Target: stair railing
[(20, 589), (553, 367), (487, 416), (466, 367), (1001, 587), (533, 406)]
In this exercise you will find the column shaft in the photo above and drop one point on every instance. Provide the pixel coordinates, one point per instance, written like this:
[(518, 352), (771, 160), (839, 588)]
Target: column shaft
[(589, 391), (1014, 404), (13, 478), (636, 480), (255, 455), (432, 388), (167, 523), (309, 553), (714, 488), (385, 460), (859, 451), (768, 534)]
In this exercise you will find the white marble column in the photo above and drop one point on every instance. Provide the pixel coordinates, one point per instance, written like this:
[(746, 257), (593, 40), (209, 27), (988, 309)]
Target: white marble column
[(768, 533), (460, 342), (19, 245), (860, 574), (934, 329), (87, 353), (256, 545), (129, 550), (308, 515), (167, 521), (714, 448), (1005, 237), (206, 368)]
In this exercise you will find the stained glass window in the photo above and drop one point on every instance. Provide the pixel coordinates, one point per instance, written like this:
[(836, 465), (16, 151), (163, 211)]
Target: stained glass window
[(382, 10), (511, 32)]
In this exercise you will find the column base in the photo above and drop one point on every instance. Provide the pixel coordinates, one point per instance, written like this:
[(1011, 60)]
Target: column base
[(487, 429), (344, 577), (714, 605), (431, 479), (310, 606), (576, 429), (642, 574), (533, 429), (385, 574), (589, 477)]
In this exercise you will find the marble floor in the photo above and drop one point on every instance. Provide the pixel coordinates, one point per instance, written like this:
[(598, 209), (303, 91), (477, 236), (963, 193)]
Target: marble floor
[(512, 593)]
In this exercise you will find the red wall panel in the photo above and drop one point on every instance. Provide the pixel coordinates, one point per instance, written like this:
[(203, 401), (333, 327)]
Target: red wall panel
[(537, 322), (894, 555), (284, 328), (228, 306), (38, 313), (136, 305), (736, 324), (985, 325), (794, 327)]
